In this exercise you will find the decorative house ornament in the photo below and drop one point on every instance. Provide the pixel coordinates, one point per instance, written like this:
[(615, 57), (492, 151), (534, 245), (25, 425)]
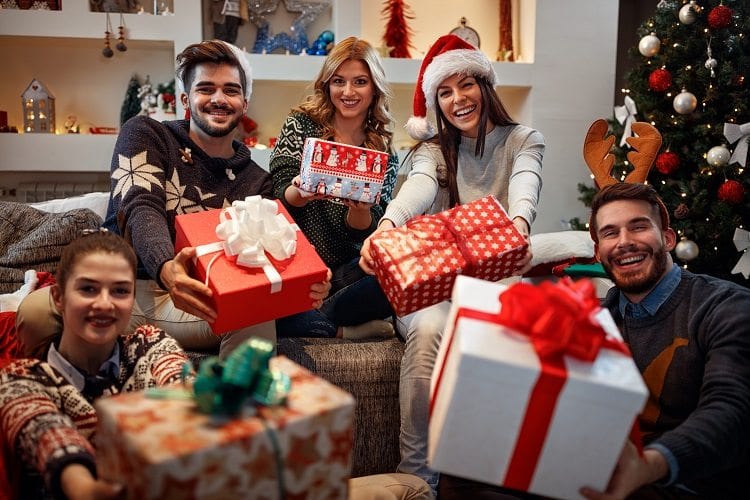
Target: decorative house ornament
[(38, 108)]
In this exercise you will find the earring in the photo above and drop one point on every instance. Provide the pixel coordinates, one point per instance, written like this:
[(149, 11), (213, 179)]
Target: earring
[(107, 50), (121, 38)]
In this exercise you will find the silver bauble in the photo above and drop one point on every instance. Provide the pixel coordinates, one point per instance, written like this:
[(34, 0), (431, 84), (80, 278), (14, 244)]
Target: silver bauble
[(687, 14), (711, 63), (649, 45), (686, 249), (684, 103), (718, 156)]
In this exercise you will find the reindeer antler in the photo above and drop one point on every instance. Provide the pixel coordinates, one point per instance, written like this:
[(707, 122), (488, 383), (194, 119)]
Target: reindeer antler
[(645, 147), (600, 161), (596, 153)]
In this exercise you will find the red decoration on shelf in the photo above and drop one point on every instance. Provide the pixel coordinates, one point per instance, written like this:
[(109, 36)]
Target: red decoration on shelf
[(660, 80), (667, 162), (397, 33), (732, 192), (720, 17)]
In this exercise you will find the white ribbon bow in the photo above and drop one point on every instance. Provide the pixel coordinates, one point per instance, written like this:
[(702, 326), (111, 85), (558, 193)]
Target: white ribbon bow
[(626, 114), (249, 229), (741, 240), (741, 133)]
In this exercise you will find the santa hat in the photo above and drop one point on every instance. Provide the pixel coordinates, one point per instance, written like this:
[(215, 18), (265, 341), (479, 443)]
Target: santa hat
[(242, 58), (449, 55)]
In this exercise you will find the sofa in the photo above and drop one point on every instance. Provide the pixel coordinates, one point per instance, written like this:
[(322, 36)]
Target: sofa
[(368, 369)]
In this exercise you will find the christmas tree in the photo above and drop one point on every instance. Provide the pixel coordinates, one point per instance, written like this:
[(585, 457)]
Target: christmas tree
[(131, 105), (691, 81)]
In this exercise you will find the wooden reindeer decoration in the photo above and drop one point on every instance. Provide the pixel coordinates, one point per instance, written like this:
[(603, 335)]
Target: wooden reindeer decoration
[(597, 145)]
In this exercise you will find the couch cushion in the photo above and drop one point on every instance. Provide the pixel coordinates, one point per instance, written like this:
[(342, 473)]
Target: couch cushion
[(33, 239)]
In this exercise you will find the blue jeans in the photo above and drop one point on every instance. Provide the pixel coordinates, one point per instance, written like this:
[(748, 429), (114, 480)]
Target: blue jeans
[(355, 298)]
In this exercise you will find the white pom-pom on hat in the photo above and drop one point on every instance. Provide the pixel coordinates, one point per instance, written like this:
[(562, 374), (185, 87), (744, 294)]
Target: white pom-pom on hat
[(449, 55)]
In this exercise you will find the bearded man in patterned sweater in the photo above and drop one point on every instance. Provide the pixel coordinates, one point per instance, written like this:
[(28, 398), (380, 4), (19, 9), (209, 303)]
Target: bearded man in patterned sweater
[(164, 169)]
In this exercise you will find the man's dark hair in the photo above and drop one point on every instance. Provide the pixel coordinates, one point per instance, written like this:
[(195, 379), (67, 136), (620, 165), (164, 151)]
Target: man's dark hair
[(211, 51), (626, 191)]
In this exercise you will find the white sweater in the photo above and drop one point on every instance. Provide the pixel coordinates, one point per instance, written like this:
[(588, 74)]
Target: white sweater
[(510, 169)]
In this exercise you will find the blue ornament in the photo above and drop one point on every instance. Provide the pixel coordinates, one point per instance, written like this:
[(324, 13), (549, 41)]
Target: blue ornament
[(293, 43), (320, 44), (320, 52), (326, 36)]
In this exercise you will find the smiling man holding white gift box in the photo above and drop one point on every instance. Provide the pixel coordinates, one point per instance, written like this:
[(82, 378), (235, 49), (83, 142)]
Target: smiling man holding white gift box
[(690, 336)]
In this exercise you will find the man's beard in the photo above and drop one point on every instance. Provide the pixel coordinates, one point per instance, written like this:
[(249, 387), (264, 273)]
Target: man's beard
[(636, 284), (211, 130)]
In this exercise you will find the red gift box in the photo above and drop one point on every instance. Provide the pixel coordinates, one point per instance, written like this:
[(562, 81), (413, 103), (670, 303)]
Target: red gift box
[(242, 295), (416, 264), (342, 171)]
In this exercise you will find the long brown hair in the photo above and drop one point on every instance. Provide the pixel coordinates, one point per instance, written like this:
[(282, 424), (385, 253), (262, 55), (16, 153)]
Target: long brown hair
[(449, 137), (319, 107)]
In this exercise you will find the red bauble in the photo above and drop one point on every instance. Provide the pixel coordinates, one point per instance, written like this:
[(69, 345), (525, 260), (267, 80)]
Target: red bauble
[(731, 192), (720, 17), (660, 80), (667, 162)]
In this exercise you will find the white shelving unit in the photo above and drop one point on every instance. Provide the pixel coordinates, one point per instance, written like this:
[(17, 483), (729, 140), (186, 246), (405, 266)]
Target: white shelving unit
[(566, 82)]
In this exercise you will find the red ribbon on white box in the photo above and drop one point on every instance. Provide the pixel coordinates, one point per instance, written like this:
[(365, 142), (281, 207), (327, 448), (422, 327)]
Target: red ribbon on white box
[(567, 326), (250, 228)]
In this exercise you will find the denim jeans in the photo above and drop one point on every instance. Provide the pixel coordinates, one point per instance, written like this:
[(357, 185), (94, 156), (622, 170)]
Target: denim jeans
[(355, 298), (422, 330)]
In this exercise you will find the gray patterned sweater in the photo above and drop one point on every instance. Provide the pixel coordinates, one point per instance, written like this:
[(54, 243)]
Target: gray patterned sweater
[(158, 172)]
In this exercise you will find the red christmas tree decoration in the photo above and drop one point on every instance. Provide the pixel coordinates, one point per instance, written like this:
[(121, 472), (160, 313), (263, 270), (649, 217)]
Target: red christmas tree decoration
[(397, 32), (660, 80), (667, 162), (720, 17), (731, 192)]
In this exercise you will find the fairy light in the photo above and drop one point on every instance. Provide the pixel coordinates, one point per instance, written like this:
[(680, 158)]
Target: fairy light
[(684, 195)]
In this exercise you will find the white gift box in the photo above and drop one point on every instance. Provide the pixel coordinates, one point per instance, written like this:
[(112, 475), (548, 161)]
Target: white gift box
[(481, 385)]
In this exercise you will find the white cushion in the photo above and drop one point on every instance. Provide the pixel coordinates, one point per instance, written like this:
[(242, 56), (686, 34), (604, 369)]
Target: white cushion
[(97, 202)]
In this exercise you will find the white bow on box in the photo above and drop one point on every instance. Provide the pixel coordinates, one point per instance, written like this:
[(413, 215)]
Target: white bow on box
[(739, 134), (249, 229), (625, 114), (741, 240)]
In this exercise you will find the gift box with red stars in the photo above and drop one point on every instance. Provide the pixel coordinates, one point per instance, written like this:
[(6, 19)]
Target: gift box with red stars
[(416, 264), (164, 448)]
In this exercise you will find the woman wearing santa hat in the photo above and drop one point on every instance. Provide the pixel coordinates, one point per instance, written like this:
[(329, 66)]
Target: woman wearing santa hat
[(476, 150)]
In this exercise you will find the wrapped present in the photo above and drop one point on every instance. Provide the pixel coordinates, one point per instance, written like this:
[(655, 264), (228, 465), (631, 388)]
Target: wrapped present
[(164, 448), (416, 264), (532, 388), (342, 171), (257, 263)]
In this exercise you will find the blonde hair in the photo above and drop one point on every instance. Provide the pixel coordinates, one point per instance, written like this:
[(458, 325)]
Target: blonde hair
[(319, 107)]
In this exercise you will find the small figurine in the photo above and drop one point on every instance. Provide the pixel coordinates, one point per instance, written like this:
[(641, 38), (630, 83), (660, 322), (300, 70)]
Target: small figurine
[(378, 165), (333, 158), (336, 191), (318, 154), (361, 163)]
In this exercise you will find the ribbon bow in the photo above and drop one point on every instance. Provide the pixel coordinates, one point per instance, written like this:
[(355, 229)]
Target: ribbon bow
[(625, 114), (567, 324), (249, 229), (739, 134), (223, 387), (741, 240)]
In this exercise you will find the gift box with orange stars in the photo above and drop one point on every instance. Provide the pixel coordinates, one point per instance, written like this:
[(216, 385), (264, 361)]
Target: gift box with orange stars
[(164, 448)]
